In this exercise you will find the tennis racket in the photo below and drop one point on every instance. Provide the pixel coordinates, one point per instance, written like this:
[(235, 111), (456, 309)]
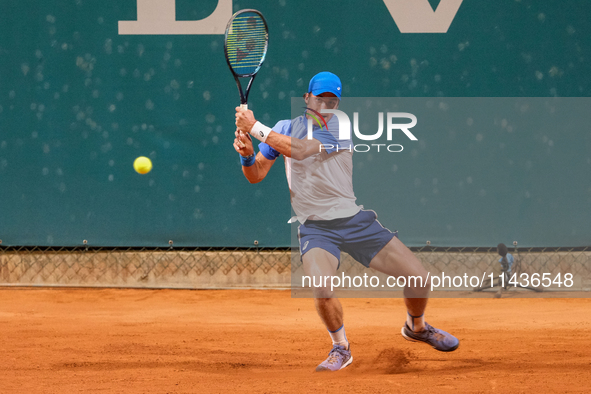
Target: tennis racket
[(245, 47)]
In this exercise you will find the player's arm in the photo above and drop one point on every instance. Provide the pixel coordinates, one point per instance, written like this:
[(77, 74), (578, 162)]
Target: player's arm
[(254, 168), (293, 147), (286, 145)]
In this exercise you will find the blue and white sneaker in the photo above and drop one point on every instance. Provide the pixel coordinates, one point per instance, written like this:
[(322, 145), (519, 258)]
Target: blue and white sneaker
[(338, 358), (438, 339)]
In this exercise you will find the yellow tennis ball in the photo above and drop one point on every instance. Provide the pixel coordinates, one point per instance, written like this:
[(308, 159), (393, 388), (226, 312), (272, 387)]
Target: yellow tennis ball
[(142, 165)]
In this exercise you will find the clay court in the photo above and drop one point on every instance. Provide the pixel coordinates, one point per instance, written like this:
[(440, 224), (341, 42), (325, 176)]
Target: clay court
[(264, 341)]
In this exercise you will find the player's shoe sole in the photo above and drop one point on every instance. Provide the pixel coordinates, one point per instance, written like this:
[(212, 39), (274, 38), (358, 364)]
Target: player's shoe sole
[(427, 337)]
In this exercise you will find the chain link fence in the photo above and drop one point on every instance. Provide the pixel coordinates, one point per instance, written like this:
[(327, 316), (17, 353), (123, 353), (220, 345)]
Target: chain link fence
[(145, 267), (195, 268)]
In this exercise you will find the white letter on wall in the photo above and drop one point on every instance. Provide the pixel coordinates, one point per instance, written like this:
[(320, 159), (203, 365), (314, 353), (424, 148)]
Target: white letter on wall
[(159, 17), (417, 16)]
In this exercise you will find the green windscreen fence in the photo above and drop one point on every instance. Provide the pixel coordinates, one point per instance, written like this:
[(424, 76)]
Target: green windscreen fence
[(88, 86)]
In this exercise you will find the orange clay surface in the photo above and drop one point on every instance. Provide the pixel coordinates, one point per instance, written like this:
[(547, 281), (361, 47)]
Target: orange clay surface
[(257, 341)]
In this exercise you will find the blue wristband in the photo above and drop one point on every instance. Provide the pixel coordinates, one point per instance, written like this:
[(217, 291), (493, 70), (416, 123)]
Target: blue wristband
[(248, 160)]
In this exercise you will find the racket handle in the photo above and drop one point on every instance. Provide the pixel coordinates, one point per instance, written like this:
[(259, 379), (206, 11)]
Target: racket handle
[(243, 106)]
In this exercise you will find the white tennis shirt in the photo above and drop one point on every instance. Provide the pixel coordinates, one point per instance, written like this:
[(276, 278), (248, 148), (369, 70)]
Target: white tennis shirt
[(321, 185)]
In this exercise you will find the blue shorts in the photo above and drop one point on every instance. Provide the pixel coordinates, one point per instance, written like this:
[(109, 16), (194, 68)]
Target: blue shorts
[(361, 236)]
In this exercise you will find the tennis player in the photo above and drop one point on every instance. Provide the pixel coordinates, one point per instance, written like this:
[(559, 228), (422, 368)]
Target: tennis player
[(319, 173)]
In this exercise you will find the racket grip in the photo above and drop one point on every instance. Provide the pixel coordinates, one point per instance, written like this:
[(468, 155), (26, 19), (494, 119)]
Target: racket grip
[(243, 106)]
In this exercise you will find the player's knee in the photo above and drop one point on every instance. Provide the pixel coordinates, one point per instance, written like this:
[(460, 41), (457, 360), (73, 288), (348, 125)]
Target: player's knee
[(417, 286), (323, 293), (416, 292)]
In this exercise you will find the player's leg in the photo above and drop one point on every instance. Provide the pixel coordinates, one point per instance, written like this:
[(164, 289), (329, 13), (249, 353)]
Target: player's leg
[(395, 259), (319, 263)]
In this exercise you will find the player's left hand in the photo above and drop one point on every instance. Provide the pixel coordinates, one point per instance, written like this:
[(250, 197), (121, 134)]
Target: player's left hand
[(244, 119), (243, 144)]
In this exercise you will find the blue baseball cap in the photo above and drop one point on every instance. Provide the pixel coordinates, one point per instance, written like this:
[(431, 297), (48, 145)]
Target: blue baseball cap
[(325, 82)]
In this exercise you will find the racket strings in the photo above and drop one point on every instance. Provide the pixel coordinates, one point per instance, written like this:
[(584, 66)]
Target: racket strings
[(246, 43)]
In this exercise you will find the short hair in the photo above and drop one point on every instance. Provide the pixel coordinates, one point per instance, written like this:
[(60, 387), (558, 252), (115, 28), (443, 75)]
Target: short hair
[(502, 250)]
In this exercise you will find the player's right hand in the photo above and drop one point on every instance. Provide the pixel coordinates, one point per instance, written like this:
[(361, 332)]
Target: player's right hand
[(243, 144), (245, 119)]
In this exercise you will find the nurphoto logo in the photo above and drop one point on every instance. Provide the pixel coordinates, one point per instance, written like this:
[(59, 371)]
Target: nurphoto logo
[(345, 130)]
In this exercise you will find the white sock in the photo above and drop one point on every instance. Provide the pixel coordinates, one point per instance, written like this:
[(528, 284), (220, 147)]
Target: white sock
[(415, 323), (339, 337)]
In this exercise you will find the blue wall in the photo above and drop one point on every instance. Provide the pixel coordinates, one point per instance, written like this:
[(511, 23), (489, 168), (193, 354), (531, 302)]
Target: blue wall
[(79, 102)]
